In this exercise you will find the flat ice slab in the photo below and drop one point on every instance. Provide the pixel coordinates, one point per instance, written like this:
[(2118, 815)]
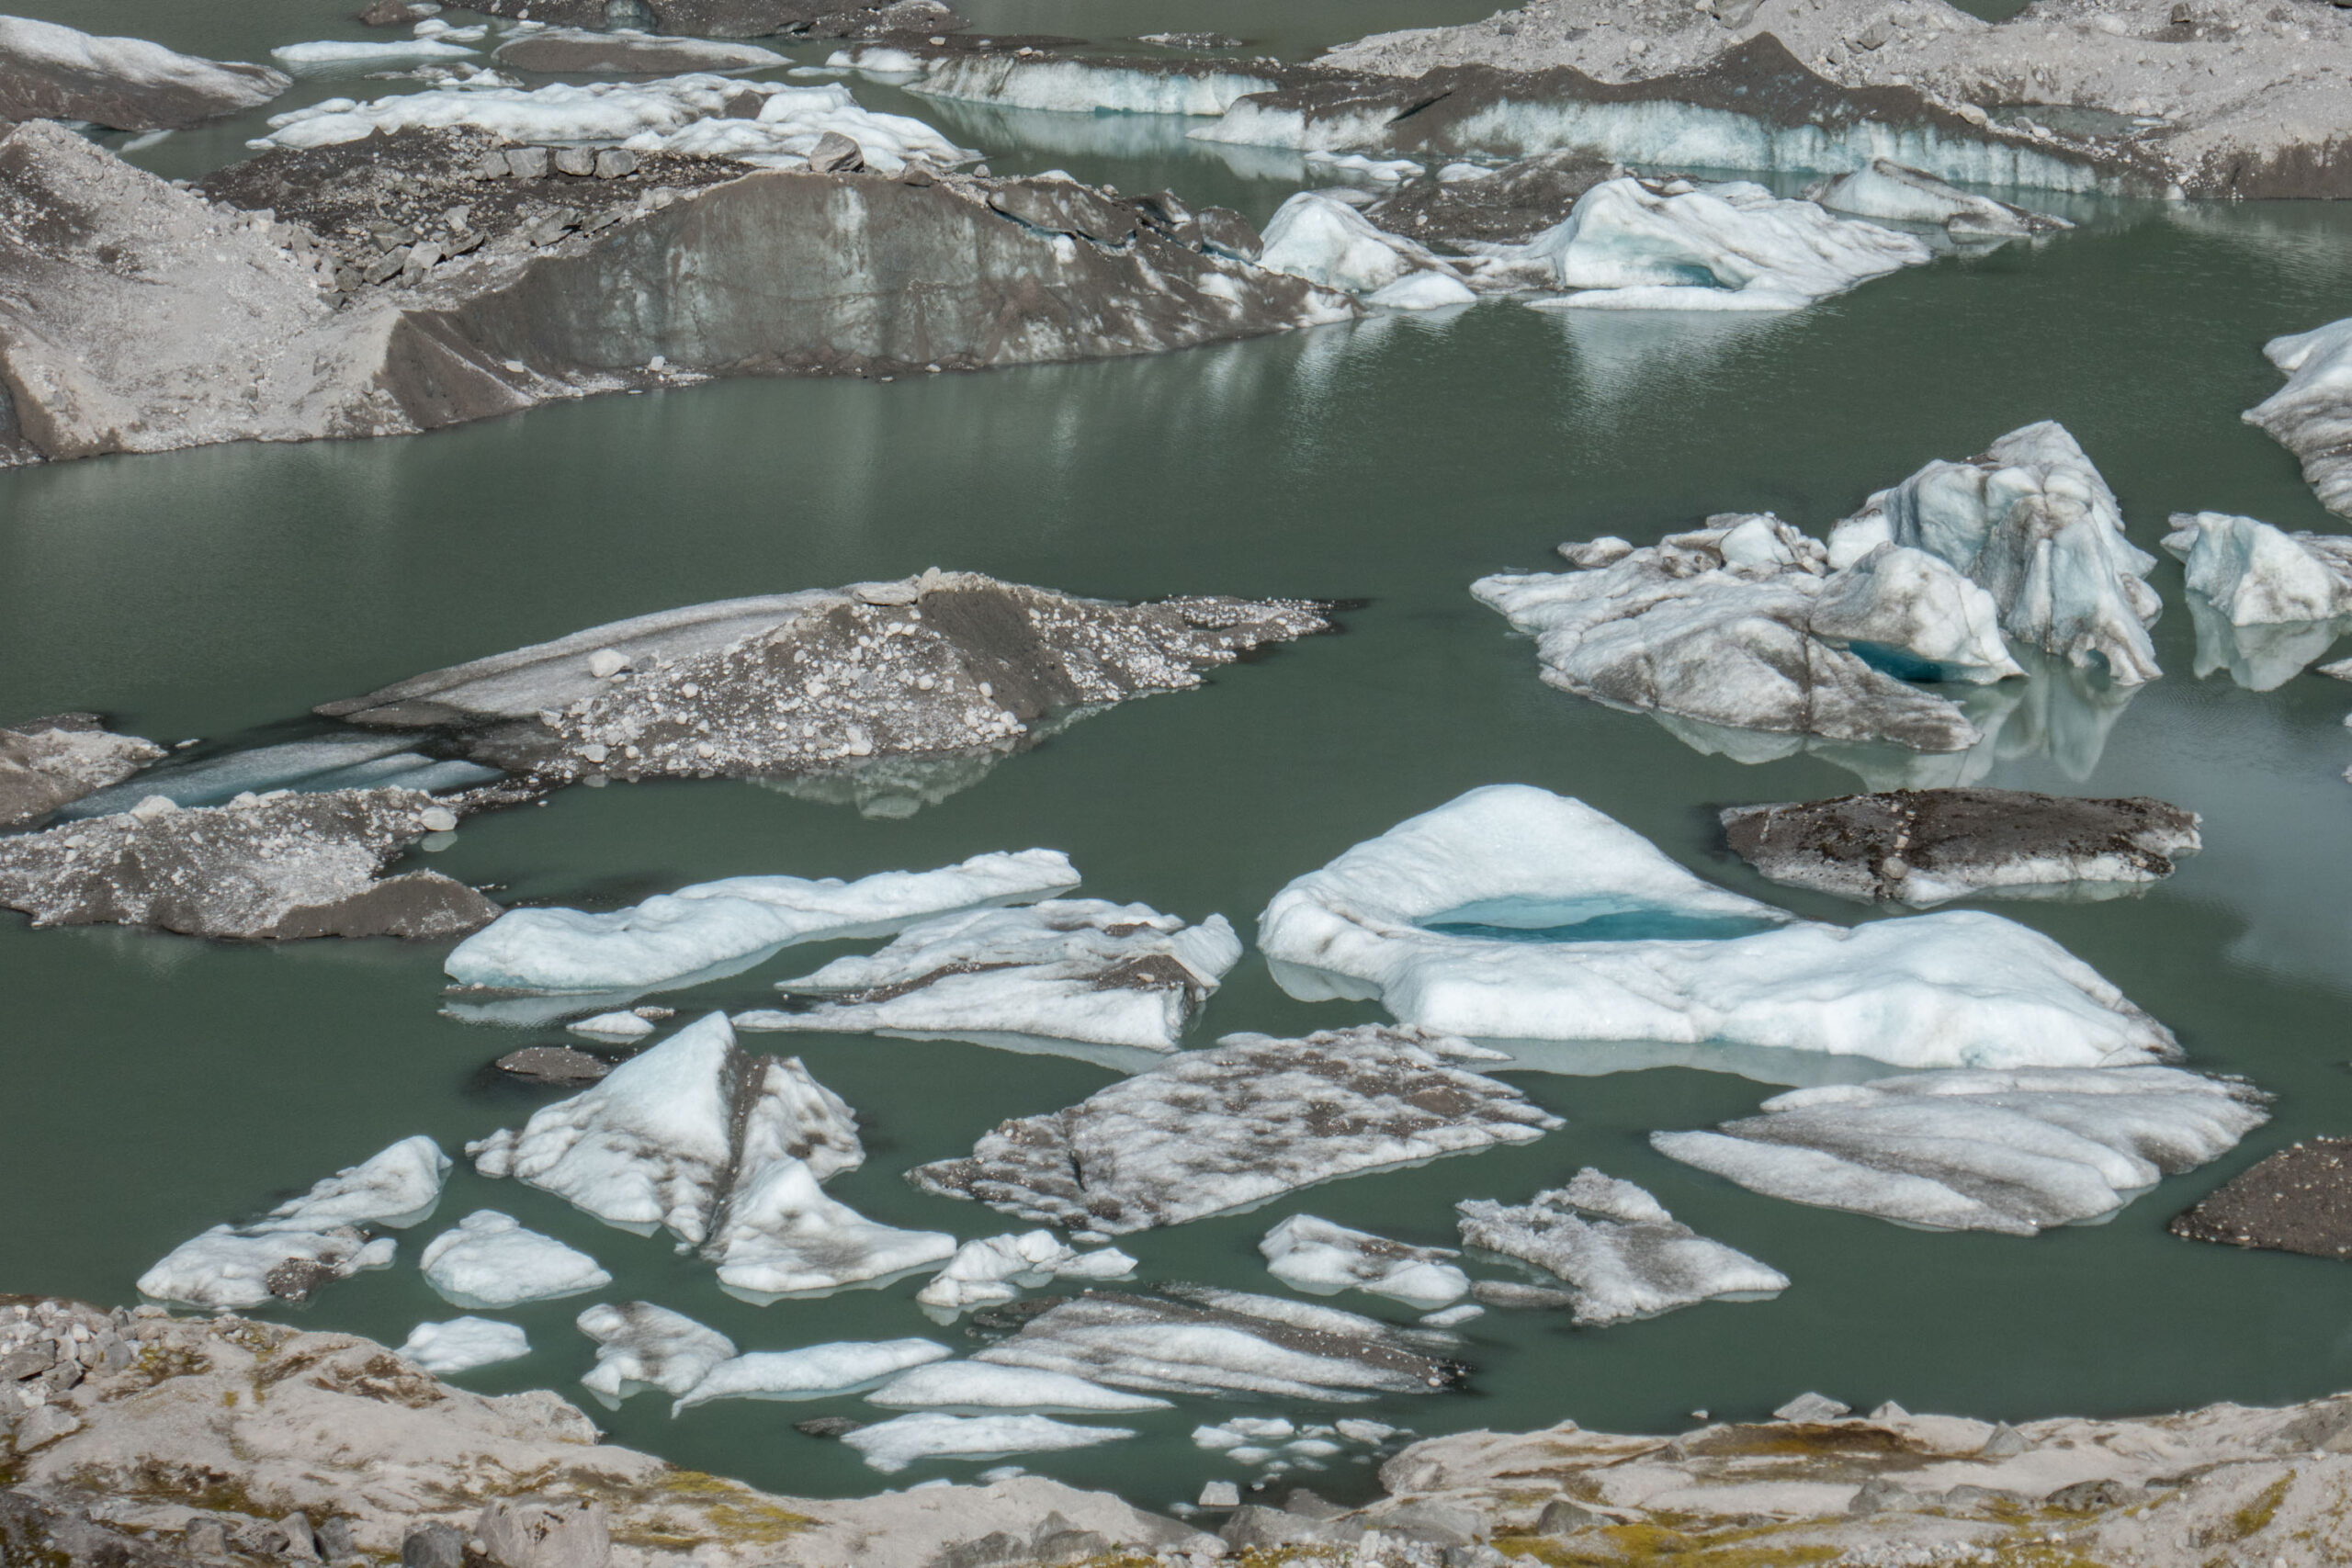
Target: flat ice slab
[(2258, 575), (2012, 1152), (812, 1372), (1512, 913), (1621, 1252), (2312, 415), (981, 1385), (1221, 1129), (1314, 1254), (891, 1446), (461, 1344), (640, 1346), (488, 1260)]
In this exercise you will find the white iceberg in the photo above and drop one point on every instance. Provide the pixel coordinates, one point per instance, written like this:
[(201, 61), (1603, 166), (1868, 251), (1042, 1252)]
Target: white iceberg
[(1323, 240), (618, 1028), (734, 922), (1314, 1254), (1511, 913), (1622, 1254), (2009, 1152), (891, 1446), (488, 1260), (343, 54), (1067, 969), (1886, 189), (2031, 521), (979, 1385), (2258, 575), (994, 1268), (640, 1346), (1216, 1130), (462, 1344), (2312, 415), (783, 1235), (397, 1187), (809, 1373)]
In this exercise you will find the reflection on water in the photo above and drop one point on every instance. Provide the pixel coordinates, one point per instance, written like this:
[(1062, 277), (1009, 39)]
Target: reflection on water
[(2260, 657)]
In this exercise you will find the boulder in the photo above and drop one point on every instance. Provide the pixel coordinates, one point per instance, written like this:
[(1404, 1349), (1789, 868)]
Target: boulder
[(2299, 1200)]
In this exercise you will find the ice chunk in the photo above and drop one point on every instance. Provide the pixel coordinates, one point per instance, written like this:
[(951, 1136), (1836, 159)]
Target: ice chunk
[(618, 1027), (1622, 1254), (1422, 291), (978, 1385), (811, 1372), (398, 1186), (990, 1270), (127, 83), (568, 49), (2011, 1151), (2031, 520), (1910, 613), (488, 1260), (343, 54), (891, 1446), (2312, 415), (2256, 574), (1310, 1254), (736, 921), (1226, 1342), (1222, 1129), (782, 1235), (1388, 170), (1069, 969), (462, 1344), (640, 1346), (1511, 913), (1068, 86), (1323, 240), (1886, 189)]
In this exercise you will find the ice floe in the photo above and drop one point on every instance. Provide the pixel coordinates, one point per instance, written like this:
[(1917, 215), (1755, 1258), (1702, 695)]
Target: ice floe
[(48, 70), (891, 1446), (332, 55), (981, 1385), (2312, 415), (1221, 1129), (994, 1269), (640, 1346), (1511, 913), (488, 1260), (782, 1234), (462, 1344), (620, 1028), (2012, 1152), (710, 926), (1314, 1254), (1622, 1254), (813, 1372), (1885, 189), (567, 49), (2029, 520), (2256, 574), (1068, 969), (1318, 237)]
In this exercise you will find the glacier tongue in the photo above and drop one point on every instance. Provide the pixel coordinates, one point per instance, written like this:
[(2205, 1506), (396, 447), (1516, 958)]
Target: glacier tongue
[(2312, 415), (1314, 1254)]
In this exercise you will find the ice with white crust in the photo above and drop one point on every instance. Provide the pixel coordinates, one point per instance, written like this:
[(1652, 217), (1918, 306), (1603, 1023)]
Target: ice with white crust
[(2256, 574), (705, 927), (2012, 1152), (2312, 415), (461, 1344), (1311, 1254), (1621, 1252), (330, 55), (488, 1260), (811, 1372), (640, 1346), (995, 1268), (1319, 238), (1511, 913), (981, 1385), (891, 1446)]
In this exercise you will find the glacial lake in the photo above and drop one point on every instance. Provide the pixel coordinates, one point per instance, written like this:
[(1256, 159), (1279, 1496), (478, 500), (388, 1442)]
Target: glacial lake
[(152, 1086)]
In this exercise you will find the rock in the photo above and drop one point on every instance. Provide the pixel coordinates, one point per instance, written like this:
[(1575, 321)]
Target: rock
[(49, 762), (1924, 847), (2088, 1497), (294, 866), (433, 1545), (1255, 1528), (205, 1537), (560, 50), (301, 1541), (1430, 1523), (1812, 1407), (2006, 1442), (836, 154), (527, 1533), (614, 162), (43, 1426), (527, 163), (1561, 1517), (553, 1064), (50, 72), (828, 1426), (577, 161), (2299, 1200)]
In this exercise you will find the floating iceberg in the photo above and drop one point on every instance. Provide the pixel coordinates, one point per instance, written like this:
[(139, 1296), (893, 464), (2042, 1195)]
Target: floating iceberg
[(1923, 847), (1216, 1342), (343, 54), (397, 1187), (1622, 1254), (1885, 189), (1068, 969), (1323, 240), (783, 1235), (1216, 1130), (1743, 625), (568, 49), (462, 1344), (2256, 575), (891, 1446), (640, 1346), (2312, 415), (1511, 913), (1310, 1254), (2030, 519), (488, 1260), (729, 925), (617, 1028), (812, 1372), (992, 1268), (979, 1385), (2011, 1151)]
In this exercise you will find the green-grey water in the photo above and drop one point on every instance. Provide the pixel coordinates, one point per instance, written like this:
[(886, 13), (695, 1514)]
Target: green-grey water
[(151, 1086)]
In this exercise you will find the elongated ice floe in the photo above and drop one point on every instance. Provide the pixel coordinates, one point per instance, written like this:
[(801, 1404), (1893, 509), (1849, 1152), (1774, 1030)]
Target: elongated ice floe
[(1067, 969), (2029, 520), (1621, 1252), (343, 54), (640, 1346), (810, 1373), (2256, 574), (891, 1446), (981, 1385), (1222, 1129), (708, 926), (488, 1260), (462, 1344), (2312, 415), (994, 1269), (1886, 189), (2012, 1152), (1311, 1254), (1511, 913)]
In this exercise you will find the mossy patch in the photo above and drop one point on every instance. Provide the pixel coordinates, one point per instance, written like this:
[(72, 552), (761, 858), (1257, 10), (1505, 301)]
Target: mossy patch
[(2256, 1515), (1798, 1439)]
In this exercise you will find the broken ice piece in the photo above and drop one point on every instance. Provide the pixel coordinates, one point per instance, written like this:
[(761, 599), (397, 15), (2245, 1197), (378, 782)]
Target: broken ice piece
[(488, 1260)]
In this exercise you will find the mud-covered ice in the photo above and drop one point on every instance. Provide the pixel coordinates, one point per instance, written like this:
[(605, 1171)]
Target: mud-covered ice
[(1887, 190), (461, 1344), (995, 1268), (640, 1346), (1621, 1252), (1200, 1341), (735, 921), (1511, 913), (891, 1446), (1066, 969), (49, 762), (2012, 1152), (810, 1373), (488, 1260), (2256, 574), (1311, 1254), (2312, 415), (1223, 1128), (983, 1385), (51, 72)]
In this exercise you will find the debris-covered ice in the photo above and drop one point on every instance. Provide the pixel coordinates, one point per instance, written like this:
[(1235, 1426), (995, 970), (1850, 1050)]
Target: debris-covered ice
[(891, 1446), (1885, 189), (983, 1385), (565, 51), (51, 72), (1622, 1254), (813, 1372), (47, 762), (1511, 913), (640, 1346), (2312, 415), (1223, 1128), (462, 1344), (782, 1235), (2256, 574), (488, 1260), (993, 1269), (1311, 1254), (2013, 1152)]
